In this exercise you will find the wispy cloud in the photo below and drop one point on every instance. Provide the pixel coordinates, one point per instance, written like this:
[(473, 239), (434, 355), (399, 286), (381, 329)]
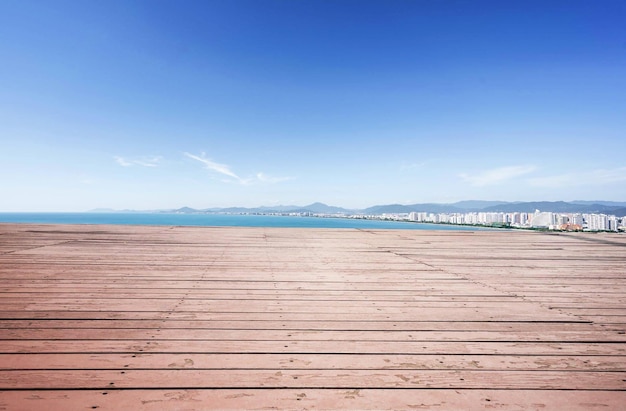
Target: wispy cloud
[(225, 170), (151, 161), (497, 175), (574, 179), (121, 161), (217, 167), (148, 162)]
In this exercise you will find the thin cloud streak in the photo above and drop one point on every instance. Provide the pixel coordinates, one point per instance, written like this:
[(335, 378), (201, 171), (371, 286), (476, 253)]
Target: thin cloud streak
[(225, 170), (121, 161), (497, 175), (217, 167)]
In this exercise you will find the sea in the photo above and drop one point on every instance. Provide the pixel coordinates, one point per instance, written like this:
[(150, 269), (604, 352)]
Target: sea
[(222, 220)]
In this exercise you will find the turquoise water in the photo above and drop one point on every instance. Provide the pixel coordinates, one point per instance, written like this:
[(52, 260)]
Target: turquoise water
[(221, 220)]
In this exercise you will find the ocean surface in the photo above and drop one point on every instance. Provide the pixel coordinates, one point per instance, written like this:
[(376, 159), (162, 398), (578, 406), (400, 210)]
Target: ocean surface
[(219, 220)]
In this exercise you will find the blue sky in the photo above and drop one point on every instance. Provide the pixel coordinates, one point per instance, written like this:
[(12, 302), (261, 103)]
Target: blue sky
[(162, 104)]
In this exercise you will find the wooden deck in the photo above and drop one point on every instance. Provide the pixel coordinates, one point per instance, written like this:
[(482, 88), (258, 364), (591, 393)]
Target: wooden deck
[(160, 318)]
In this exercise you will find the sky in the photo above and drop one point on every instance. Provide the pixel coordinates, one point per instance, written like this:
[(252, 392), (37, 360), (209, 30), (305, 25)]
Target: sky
[(153, 104)]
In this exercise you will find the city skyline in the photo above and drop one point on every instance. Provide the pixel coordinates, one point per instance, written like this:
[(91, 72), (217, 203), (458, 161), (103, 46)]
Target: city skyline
[(154, 104)]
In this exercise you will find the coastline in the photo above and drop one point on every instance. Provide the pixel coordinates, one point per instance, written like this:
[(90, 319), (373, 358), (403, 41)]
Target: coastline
[(260, 220), (221, 220)]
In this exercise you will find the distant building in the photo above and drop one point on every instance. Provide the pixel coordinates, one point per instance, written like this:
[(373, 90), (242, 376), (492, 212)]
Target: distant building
[(543, 220), (577, 219), (597, 222)]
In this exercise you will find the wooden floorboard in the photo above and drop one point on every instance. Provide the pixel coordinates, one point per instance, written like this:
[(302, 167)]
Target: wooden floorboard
[(160, 318)]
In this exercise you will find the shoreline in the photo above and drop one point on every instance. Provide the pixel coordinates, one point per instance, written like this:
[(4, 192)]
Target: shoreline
[(347, 222), (222, 220)]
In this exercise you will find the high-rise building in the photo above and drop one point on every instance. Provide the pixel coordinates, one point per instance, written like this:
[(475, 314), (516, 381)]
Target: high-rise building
[(543, 219)]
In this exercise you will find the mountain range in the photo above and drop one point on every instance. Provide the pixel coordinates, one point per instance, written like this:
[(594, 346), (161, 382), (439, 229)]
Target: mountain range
[(600, 207)]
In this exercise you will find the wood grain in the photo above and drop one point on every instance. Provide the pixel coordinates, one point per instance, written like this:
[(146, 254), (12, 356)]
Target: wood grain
[(158, 318)]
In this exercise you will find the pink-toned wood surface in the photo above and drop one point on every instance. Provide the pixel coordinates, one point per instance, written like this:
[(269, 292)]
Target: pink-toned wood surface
[(173, 318)]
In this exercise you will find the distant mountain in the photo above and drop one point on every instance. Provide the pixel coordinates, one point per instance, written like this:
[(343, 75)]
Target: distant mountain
[(606, 203), (278, 208), (530, 207), (619, 212), (423, 208), (318, 208), (552, 206), (600, 207), (185, 210), (497, 206), (436, 208), (322, 208), (475, 205), (238, 210), (387, 209)]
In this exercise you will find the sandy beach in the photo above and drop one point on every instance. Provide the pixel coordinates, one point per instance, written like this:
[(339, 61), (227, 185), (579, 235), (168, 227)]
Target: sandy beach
[(170, 318)]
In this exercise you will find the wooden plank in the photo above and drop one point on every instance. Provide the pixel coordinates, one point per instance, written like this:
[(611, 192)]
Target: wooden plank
[(413, 298), (121, 324), (352, 399), (312, 335), (324, 312), (315, 361), (228, 378), (284, 303), (322, 347)]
